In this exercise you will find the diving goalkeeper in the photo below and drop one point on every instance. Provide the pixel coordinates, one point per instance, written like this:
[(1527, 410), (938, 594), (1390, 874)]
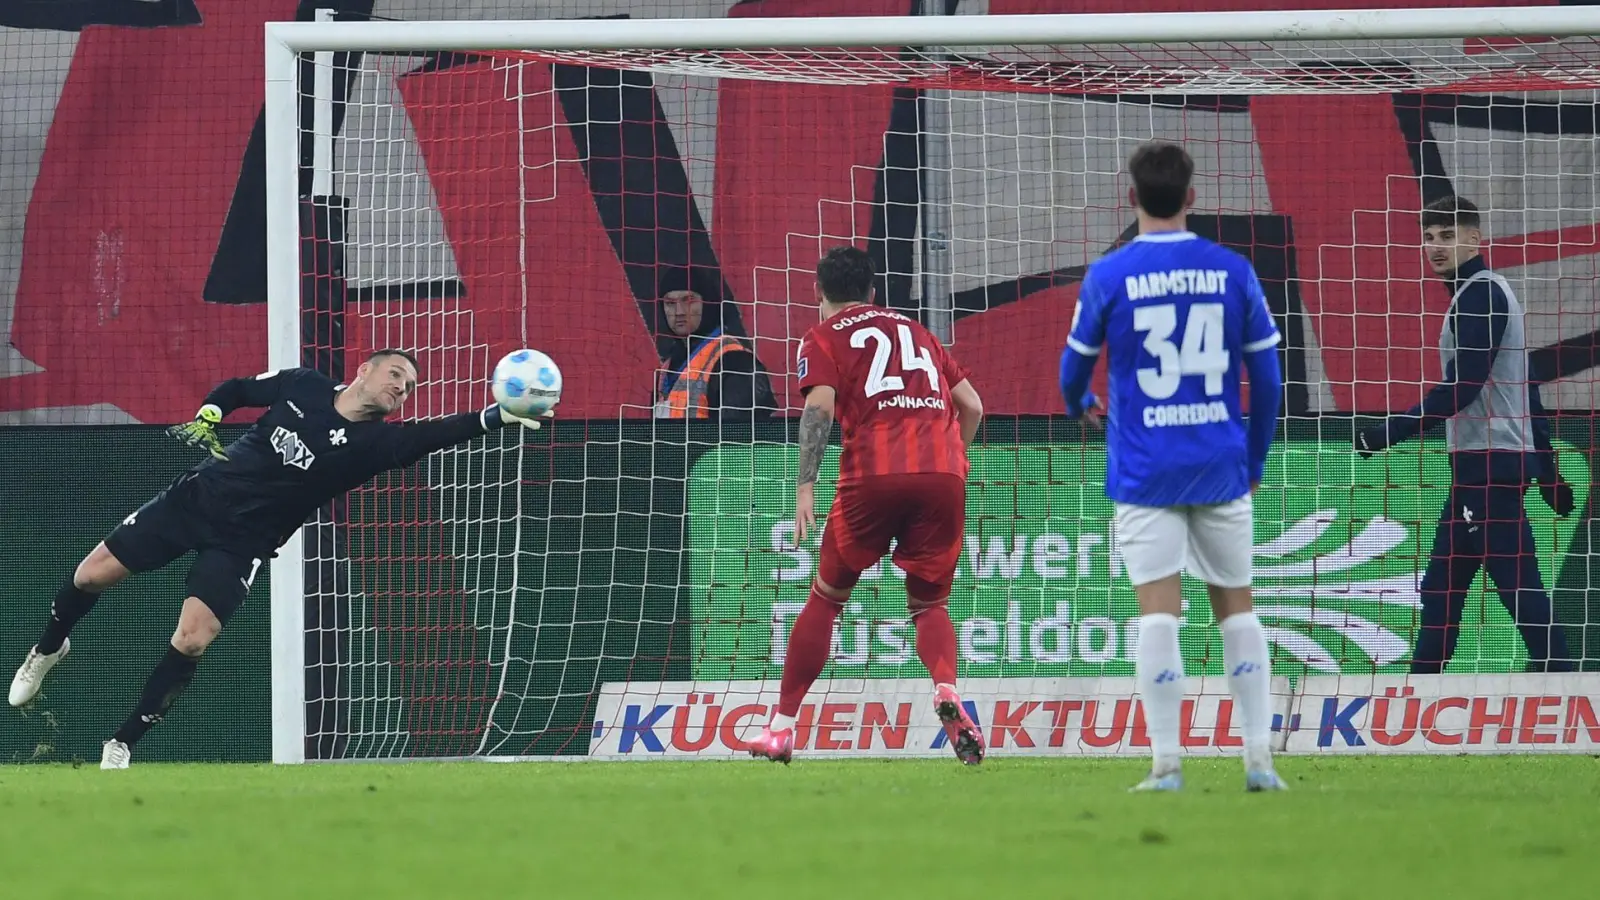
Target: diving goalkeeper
[(316, 441)]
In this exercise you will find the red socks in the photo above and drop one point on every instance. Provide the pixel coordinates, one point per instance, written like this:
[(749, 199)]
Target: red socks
[(936, 643), (810, 642)]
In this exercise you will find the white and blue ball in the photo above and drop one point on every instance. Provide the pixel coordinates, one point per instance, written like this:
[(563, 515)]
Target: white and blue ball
[(526, 383)]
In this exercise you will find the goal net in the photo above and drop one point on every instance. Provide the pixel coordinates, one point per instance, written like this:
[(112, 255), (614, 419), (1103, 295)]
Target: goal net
[(622, 584)]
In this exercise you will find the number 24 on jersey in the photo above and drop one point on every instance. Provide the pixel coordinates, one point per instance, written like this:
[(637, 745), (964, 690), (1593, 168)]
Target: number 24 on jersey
[(912, 358)]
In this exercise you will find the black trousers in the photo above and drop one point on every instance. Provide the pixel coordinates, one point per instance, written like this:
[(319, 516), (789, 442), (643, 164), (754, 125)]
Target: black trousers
[(1485, 526)]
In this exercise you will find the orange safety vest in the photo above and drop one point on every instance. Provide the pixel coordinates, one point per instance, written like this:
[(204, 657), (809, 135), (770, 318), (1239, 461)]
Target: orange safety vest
[(687, 398)]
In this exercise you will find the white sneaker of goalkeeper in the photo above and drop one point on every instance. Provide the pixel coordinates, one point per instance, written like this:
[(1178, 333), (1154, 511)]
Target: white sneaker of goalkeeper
[(114, 754), (30, 676)]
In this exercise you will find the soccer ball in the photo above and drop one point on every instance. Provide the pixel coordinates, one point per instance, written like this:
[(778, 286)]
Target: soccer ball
[(526, 383)]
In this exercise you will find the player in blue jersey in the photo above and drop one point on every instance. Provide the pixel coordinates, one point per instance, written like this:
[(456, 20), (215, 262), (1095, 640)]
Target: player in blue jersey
[(1177, 315)]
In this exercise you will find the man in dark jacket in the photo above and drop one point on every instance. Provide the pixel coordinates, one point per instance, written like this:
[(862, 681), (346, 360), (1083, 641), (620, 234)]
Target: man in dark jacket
[(1498, 442), (705, 373)]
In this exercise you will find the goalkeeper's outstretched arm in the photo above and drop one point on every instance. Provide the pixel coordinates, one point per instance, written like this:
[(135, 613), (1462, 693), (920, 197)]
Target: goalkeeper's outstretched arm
[(412, 442)]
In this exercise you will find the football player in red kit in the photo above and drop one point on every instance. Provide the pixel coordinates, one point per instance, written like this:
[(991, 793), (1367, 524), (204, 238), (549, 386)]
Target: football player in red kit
[(907, 413)]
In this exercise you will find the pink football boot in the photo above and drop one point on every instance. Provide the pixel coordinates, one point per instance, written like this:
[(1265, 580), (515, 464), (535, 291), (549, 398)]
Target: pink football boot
[(777, 746), (965, 737)]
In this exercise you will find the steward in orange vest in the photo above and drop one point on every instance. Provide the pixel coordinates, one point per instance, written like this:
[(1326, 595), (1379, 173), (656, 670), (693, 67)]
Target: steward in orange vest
[(686, 392), (705, 373)]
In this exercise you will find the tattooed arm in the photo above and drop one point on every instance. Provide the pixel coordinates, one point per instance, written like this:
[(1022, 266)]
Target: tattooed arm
[(815, 423)]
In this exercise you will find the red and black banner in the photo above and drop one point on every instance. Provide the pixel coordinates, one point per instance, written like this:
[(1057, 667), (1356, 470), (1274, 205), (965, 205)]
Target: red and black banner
[(483, 206)]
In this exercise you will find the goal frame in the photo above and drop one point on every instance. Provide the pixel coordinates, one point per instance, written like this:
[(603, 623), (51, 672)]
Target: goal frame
[(285, 41)]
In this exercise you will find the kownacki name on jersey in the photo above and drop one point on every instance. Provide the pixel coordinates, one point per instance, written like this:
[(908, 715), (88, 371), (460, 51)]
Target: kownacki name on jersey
[(905, 401)]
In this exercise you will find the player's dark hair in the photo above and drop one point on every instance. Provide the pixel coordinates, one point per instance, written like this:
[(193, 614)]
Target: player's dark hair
[(1451, 212), (1161, 173), (380, 354), (845, 275)]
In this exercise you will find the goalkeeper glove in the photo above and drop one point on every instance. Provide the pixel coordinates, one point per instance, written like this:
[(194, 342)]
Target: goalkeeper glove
[(497, 416), (202, 432)]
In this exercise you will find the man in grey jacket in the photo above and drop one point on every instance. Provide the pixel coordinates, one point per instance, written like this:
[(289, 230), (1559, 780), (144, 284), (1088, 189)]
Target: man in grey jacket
[(1498, 442)]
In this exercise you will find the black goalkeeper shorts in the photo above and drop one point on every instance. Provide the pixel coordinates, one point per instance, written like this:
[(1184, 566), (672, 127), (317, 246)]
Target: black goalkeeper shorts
[(169, 526)]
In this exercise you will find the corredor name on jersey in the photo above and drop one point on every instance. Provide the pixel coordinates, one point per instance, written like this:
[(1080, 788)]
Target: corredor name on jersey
[(1186, 414)]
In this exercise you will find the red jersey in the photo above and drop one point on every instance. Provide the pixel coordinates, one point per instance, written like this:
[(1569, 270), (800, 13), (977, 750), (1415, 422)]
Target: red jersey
[(893, 381)]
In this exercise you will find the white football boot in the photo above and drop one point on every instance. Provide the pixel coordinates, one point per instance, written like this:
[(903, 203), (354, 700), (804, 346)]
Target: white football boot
[(30, 677), (114, 754), (1258, 780), (1159, 782)]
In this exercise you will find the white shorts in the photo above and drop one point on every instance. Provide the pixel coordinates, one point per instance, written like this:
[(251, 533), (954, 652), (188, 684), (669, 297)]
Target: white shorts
[(1212, 543)]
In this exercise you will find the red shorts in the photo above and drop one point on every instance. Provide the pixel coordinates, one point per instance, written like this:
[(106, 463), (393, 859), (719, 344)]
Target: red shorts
[(923, 513)]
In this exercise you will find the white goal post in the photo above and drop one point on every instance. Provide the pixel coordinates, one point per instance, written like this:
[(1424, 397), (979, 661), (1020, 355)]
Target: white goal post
[(1268, 52)]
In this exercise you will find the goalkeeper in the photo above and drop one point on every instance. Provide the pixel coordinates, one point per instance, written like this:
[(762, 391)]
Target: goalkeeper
[(316, 441)]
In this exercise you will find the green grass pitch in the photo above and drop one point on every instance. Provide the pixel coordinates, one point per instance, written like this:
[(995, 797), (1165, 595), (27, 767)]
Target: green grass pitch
[(1443, 828)]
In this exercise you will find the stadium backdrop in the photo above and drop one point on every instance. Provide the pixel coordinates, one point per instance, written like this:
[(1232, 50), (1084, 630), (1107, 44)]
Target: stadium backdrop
[(644, 500)]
